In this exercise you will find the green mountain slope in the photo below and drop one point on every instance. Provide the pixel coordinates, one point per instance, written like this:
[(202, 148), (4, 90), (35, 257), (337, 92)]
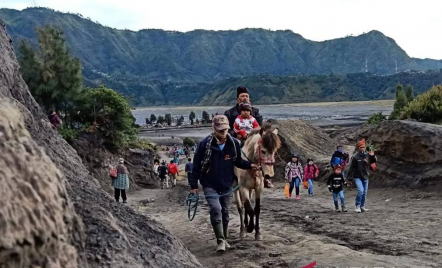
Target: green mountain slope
[(201, 67)]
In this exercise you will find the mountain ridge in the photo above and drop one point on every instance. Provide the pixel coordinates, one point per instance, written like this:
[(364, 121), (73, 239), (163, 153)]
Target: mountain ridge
[(156, 60)]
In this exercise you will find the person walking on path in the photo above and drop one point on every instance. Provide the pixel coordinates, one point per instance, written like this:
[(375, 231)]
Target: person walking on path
[(121, 183), (173, 172), (215, 159), (294, 175), (336, 184), (162, 173), (311, 172), (188, 169), (358, 170)]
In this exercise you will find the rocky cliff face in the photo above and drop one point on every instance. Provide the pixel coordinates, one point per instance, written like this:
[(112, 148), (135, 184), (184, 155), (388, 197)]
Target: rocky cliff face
[(115, 236), (409, 155), (97, 160), (38, 224)]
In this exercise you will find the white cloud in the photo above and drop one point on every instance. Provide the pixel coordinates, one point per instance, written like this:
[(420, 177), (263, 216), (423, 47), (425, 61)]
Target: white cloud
[(415, 25)]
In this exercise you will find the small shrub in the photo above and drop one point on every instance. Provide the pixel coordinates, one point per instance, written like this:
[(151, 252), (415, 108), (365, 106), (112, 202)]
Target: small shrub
[(68, 134), (188, 142), (137, 143), (427, 107), (376, 119)]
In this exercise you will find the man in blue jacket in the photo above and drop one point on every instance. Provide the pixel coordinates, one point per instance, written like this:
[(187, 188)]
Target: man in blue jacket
[(213, 165)]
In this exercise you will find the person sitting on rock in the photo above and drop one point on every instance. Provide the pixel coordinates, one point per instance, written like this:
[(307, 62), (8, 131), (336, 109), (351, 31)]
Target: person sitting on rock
[(360, 164), (294, 174), (121, 183), (244, 123), (335, 183), (54, 119), (311, 172), (340, 158), (215, 159)]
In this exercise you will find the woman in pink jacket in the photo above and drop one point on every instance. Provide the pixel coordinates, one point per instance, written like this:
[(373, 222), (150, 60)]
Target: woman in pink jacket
[(311, 172)]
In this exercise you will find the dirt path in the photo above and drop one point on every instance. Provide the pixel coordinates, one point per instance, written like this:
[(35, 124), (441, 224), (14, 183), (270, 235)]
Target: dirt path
[(401, 230)]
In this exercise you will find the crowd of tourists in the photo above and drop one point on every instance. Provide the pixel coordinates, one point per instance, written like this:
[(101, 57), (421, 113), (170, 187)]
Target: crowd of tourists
[(216, 156)]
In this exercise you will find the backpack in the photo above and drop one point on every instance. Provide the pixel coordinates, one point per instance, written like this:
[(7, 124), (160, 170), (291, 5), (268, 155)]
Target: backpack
[(113, 172), (173, 169)]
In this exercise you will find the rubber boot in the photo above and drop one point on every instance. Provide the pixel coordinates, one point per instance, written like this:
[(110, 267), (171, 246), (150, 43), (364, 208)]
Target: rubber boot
[(226, 233), (219, 234)]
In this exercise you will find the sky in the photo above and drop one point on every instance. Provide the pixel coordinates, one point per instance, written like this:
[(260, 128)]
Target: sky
[(415, 25)]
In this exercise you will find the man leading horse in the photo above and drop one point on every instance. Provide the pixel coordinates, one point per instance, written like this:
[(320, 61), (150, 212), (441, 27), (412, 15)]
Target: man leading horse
[(215, 159)]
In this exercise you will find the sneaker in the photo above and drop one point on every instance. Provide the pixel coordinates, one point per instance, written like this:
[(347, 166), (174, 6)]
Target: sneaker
[(124, 201), (337, 209), (221, 246), (358, 209), (344, 209), (363, 209), (297, 197), (227, 245)]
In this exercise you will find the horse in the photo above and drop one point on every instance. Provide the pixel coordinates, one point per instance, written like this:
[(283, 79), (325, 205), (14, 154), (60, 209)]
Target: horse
[(259, 148)]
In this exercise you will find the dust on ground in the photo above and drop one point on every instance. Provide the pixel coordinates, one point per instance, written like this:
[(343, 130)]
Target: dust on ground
[(401, 230)]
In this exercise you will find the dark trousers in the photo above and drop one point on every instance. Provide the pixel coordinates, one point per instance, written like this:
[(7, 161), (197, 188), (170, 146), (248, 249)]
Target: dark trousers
[(117, 194), (219, 206)]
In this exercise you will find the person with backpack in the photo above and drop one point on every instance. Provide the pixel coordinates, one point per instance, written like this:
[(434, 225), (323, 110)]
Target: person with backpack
[(360, 164), (54, 119), (188, 169), (215, 159), (340, 158), (162, 173), (311, 172), (294, 175), (173, 172), (121, 182), (336, 183)]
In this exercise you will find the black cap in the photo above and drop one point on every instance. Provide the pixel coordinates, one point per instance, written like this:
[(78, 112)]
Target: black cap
[(240, 90)]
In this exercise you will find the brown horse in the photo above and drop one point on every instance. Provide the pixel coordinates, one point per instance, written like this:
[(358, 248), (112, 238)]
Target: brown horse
[(259, 148)]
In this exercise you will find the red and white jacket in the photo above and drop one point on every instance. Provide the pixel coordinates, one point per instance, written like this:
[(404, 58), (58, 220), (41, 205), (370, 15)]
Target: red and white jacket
[(243, 126)]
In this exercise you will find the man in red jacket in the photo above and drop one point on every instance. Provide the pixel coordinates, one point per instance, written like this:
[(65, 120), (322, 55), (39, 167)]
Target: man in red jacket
[(173, 172)]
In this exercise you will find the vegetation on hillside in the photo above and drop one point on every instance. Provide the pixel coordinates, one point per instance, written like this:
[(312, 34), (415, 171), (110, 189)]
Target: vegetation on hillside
[(427, 107), (54, 79)]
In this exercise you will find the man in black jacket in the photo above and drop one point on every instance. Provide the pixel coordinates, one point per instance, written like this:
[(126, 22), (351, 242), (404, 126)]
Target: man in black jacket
[(213, 165), (359, 167), (242, 95)]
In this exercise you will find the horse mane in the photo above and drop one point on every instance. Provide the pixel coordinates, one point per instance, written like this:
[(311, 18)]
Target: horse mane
[(270, 140)]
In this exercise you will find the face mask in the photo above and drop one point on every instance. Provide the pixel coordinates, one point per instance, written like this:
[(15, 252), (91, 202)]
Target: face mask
[(340, 150)]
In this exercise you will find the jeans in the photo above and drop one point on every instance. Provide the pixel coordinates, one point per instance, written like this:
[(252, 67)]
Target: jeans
[(335, 198), (188, 177), (310, 186), (117, 194), (295, 183), (219, 206), (362, 185)]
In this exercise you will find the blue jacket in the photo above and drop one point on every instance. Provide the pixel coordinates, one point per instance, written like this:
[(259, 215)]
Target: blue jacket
[(219, 174)]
